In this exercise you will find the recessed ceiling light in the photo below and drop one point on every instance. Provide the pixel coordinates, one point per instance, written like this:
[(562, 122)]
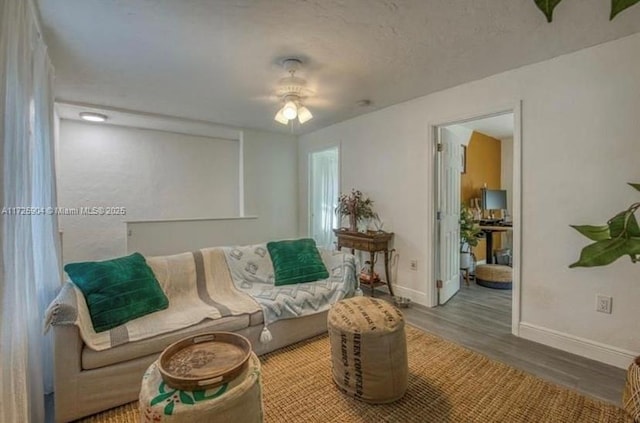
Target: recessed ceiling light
[(93, 117)]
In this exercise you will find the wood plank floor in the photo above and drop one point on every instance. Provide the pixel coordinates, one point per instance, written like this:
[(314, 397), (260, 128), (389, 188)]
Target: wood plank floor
[(480, 319)]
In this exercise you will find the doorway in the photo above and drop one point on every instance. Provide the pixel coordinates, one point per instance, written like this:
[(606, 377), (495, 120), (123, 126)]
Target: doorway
[(324, 189), (476, 157)]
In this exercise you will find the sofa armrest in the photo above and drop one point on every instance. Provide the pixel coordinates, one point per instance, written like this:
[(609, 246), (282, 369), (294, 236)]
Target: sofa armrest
[(63, 310), (67, 362)]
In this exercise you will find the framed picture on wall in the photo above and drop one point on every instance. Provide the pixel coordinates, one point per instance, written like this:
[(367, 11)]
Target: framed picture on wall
[(463, 158)]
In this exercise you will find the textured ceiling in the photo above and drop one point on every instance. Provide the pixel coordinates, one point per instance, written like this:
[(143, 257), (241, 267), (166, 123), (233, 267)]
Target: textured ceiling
[(216, 60)]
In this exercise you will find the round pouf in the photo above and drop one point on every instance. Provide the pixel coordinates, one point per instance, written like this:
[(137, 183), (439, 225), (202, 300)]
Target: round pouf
[(368, 349), (237, 401), (495, 276), (631, 394)]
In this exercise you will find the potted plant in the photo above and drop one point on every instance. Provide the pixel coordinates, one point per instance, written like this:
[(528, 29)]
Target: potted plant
[(619, 237), (356, 206), (469, 236)]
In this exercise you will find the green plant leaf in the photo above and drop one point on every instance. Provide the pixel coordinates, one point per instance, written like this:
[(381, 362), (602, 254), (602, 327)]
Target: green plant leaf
[(594, 233), (186, 398), (605, 252), (168, 409), (201, 395), (616, 225), (636, 186), (618, 6), (632, 227), (547, 7), (161, 397)]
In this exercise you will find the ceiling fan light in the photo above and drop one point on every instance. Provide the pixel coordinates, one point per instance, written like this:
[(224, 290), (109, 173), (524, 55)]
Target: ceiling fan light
[(280, 118), (290, 110), (304, 114)]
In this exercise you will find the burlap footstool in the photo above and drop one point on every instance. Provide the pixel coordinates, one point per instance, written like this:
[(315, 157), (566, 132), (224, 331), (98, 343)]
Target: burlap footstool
[(237, 401), (495, 276), (368, 349)]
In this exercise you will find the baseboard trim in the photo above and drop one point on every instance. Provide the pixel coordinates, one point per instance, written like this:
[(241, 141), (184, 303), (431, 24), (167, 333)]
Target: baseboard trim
[(416, 296), (608, 354)]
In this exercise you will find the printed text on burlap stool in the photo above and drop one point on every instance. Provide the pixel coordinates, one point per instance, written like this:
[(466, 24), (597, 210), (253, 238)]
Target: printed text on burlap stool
[(368, 349)]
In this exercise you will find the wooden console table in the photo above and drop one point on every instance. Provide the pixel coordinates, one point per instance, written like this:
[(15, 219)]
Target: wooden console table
[(373, 242)]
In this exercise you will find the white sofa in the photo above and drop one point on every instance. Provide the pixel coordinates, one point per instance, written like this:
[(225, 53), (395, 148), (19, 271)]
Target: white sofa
[(89, 381)]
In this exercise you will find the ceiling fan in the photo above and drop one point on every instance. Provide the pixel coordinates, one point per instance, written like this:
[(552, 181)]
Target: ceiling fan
[(292, 91)]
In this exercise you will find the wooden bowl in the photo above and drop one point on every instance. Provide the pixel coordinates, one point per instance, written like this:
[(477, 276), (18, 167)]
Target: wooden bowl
[(204, 361)]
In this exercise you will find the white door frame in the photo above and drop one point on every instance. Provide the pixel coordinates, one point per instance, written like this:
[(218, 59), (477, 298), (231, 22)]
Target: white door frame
[(516, 109)]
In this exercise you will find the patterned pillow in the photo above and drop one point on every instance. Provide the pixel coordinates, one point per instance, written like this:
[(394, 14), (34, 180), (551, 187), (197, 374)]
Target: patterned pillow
[(296, 261), (117, 290)]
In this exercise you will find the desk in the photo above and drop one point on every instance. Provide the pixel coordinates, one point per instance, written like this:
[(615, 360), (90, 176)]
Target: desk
[(489, 230), (372, 242)]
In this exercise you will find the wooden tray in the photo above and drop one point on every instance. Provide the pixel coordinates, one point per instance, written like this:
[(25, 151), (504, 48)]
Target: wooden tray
[(204, 361)]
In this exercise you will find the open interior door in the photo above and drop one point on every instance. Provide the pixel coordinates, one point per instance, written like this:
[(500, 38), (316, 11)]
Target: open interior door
[(450, 166)]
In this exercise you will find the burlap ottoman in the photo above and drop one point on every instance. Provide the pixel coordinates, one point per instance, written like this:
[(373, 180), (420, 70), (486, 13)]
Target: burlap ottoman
[(495, 276), (237, 401), (368, 349)]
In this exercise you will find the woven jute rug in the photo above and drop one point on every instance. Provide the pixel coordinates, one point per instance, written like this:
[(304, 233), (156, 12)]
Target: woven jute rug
[(447, 383)]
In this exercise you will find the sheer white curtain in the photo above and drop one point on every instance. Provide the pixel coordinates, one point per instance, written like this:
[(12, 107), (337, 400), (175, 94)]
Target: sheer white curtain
[(324, 192), (30, 247)]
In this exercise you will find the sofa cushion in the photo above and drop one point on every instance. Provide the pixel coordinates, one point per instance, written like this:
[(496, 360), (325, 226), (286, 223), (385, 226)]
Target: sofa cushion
[(117, 290), (296, 261), (92, 359)]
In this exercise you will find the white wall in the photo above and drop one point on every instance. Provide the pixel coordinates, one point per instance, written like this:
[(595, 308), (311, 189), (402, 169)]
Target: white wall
[(164, 175), (153, 174), (271, 182), (579, 147), (164, 237), (270, 188)]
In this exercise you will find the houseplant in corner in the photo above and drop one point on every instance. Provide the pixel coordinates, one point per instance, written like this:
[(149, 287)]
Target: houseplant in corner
[(469, 236), (356, 206), (620, 236)]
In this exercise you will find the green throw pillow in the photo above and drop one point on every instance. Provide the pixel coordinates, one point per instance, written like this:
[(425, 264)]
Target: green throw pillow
[(296, 261), (117, 290)]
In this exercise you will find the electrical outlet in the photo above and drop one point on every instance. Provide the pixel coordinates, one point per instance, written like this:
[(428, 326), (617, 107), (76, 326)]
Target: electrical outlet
[(603, 303), (413, 264)]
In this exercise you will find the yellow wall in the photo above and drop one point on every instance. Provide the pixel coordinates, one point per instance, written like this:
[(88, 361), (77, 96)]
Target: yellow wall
[(483, 167)]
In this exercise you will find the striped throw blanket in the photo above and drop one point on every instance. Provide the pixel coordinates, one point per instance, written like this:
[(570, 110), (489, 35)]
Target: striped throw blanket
[(198, 286), (252, 272)]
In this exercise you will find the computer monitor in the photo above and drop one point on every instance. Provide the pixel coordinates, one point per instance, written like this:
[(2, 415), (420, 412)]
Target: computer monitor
[(494, 199)]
